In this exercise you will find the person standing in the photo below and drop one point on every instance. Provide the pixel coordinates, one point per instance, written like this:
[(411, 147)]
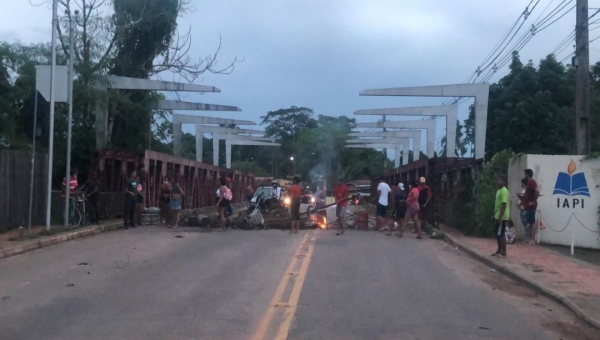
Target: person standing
[(164, 202), (383, 199), (412, 211), (399, 205), (424, 199), (131, 194), (139, 204), (530, 203), (225, 197), (72, 190), (523, 212), (341, 199), (92, 187), (229, 210), (295, 193), (249, 193), (177, 194), (501, 214)]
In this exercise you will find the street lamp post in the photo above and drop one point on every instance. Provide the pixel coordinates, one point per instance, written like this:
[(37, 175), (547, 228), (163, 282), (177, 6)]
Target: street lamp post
[(293, 166)]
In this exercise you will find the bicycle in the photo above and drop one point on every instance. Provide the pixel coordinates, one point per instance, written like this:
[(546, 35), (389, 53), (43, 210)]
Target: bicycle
[(77, 218)]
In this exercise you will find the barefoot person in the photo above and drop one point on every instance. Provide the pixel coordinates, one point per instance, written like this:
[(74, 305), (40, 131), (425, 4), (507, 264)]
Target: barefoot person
[(412, 211), (295, 193), (341, 198), (501, 214), (224, 201)]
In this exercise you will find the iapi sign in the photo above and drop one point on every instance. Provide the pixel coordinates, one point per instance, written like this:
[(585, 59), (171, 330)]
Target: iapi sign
[(571, 188)]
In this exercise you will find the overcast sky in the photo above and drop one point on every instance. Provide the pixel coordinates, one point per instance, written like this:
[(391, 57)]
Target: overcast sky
[(321, 53)]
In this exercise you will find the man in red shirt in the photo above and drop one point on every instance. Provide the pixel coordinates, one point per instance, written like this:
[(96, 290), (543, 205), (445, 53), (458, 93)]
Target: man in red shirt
[(424, 199), (530, 205), (341, 198), (295, 193)]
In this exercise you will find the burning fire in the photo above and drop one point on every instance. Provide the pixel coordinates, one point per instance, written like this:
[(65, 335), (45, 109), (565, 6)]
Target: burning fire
[(324, 224), (321, 224)]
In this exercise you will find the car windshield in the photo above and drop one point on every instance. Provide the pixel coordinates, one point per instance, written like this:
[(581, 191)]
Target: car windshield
[(263, 190)]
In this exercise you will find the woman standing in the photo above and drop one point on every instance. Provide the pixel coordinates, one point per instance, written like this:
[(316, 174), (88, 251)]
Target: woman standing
[(412, 211), (177, 194), (164, 202), (224, 201), (139, 204)]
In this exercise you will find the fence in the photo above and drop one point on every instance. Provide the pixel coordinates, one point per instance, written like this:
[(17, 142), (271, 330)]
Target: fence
[(15, 178), (199, 180), (444, 176)]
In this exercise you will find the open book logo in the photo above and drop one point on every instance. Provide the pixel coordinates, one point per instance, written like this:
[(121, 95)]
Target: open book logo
[(570, 183)]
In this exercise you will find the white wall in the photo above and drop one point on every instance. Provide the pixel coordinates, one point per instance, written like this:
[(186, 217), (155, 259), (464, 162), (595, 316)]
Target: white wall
[(564, 215)]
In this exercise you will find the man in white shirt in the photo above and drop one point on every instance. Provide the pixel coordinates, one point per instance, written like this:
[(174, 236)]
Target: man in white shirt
[(383, 199), (276, 193)]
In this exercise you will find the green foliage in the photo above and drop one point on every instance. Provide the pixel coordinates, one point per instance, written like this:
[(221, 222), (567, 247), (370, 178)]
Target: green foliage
[(249, 167), (484, 194), (531, 110)]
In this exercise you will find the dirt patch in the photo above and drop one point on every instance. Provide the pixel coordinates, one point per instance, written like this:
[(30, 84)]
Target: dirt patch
[(570, 330), (502, 282)]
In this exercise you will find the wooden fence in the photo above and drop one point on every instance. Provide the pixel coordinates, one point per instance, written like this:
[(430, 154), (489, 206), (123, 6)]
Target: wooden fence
[(15, 178)]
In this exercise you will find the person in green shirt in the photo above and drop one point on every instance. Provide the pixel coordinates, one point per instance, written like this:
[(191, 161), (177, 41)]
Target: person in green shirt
[(501, 215)]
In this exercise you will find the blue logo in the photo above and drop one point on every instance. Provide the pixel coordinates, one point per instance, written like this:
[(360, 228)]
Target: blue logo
[(571, 184)]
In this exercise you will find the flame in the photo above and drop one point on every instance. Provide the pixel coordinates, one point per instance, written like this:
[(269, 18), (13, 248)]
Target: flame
[(324, 224), (572, 167)]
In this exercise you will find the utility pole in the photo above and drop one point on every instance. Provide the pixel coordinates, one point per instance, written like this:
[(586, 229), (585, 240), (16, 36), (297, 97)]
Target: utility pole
[(384, 150), (582, 80)]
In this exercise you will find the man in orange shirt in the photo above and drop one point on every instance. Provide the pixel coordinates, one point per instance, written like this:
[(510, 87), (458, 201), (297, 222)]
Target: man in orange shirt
[(341, 198), (295, 193)]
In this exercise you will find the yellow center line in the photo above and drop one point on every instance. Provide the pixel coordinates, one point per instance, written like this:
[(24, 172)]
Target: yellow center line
[(284, 329), (265, 321)]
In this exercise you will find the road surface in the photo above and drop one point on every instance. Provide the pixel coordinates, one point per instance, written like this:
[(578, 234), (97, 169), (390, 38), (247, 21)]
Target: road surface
[(153, 283)]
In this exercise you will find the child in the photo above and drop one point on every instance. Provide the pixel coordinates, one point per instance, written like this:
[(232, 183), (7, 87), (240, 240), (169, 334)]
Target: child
[(510, 232)]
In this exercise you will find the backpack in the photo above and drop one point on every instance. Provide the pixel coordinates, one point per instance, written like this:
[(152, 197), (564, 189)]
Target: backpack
[(423, 196)]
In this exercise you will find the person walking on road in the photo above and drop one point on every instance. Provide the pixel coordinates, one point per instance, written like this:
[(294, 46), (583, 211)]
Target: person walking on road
[(295, 193), (131, 194), (412, 211), (139, 205), (341, 199), (399, 206), (224, 201), (424, 200), (501, 214), (530, 204), (383, 199)]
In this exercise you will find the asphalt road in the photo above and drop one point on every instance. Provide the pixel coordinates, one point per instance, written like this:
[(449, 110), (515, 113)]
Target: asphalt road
[(149, 284)]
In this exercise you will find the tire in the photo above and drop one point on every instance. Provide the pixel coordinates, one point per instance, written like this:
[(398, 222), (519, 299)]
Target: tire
[(76, 219)]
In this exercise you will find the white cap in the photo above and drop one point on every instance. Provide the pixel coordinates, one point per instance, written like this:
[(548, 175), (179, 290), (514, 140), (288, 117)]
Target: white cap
[(401, 186)]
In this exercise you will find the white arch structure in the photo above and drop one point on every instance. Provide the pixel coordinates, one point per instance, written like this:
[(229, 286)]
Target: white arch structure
[(480, 92), (398, 144), (180, 119), (414, 134), (428, 124), (448, 111)]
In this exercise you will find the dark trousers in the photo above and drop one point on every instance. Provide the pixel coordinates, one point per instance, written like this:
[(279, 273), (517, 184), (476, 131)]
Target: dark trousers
[(94, 211), (129, 213)]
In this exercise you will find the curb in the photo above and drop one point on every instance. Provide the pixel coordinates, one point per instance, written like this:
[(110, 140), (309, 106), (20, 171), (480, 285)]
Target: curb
[(52, 240), (536, 286)]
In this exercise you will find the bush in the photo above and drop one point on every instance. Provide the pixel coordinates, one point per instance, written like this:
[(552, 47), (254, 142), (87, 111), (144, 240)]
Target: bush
[(472, 212), (484, 194)]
